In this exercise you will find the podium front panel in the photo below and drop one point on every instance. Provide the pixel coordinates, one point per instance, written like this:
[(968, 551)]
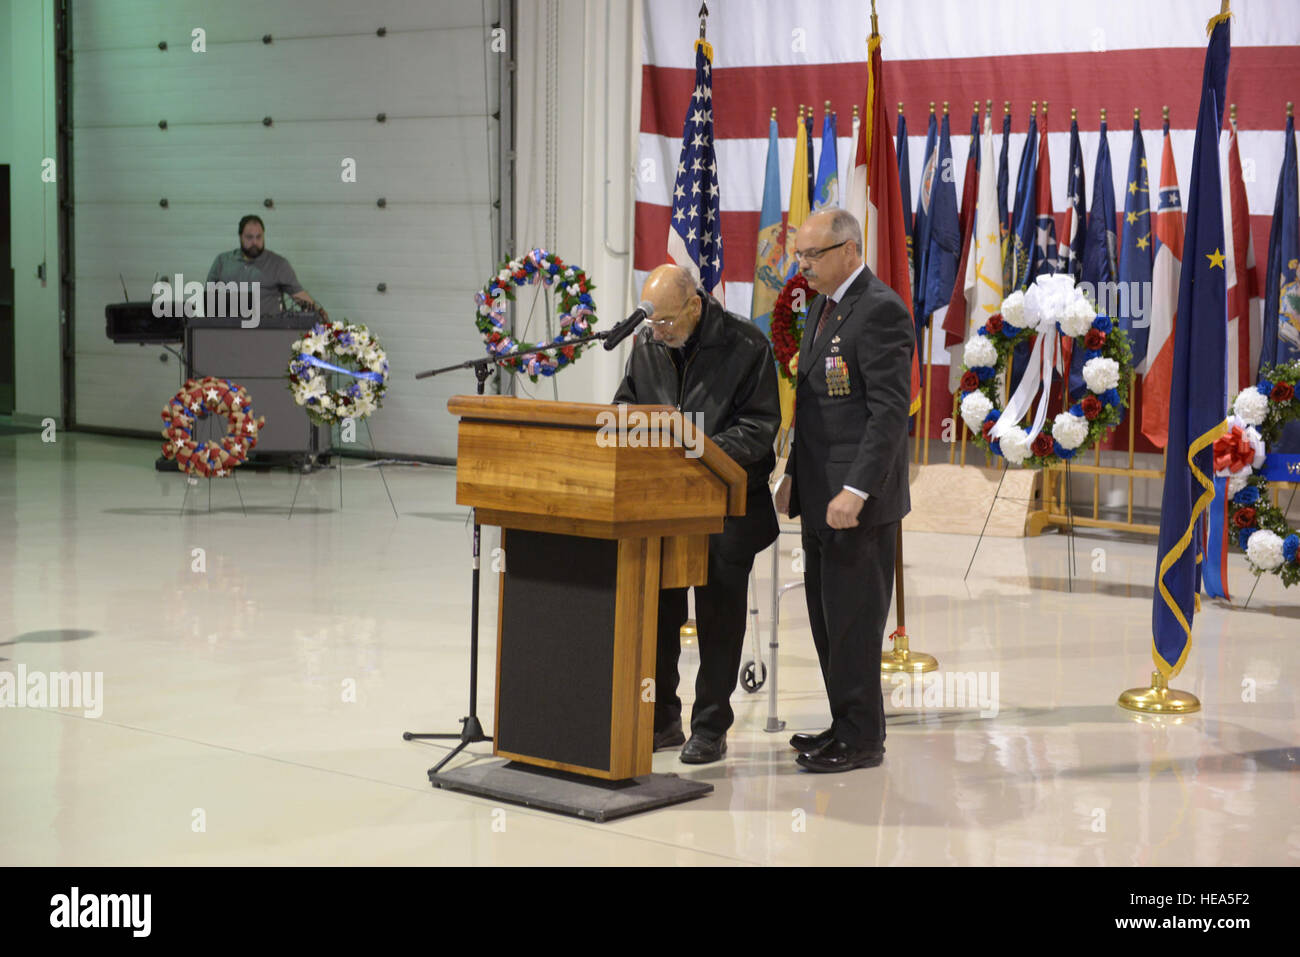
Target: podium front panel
[(556, 652)]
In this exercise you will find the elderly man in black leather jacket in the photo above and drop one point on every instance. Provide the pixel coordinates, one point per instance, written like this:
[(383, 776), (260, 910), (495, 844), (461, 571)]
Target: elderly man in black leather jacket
[(699, 358)]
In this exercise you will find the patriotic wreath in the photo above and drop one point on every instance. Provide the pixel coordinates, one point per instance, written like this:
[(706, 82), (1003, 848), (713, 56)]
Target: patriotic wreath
[(577, 311), (1259, 415), (363, 360), (197, 398), (1051, 307), (787, 324)]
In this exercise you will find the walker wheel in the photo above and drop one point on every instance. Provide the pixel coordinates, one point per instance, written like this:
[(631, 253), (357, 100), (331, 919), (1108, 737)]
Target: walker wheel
[(753, 676)]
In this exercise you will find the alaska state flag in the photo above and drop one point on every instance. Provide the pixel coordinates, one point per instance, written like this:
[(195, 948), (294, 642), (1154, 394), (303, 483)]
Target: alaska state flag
[(1131, 304), (1196, 406)]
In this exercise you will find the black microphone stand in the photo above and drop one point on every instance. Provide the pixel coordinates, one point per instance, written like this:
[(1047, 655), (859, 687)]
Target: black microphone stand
[(472, 729)]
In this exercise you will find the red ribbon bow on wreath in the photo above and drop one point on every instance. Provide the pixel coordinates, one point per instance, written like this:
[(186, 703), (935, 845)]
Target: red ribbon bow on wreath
[(1233, 451)]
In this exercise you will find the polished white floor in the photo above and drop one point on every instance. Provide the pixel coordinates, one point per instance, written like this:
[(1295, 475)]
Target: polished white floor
[(226, 736)]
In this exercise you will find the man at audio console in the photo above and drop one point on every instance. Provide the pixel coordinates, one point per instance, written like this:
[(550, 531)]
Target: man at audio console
[(253, 262)]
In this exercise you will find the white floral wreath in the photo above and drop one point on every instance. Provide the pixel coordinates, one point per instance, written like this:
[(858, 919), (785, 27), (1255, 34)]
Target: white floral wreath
[(1257, 527), (1051, 306), (362, 360)]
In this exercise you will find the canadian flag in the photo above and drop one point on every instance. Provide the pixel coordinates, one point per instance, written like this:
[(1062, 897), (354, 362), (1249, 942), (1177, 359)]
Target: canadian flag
[(874, 198)]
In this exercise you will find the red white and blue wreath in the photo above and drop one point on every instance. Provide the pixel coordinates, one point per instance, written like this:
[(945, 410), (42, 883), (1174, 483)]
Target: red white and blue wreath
[(198, 398), (356, 355), (577, 311), (1050, 309), (1258, 527)]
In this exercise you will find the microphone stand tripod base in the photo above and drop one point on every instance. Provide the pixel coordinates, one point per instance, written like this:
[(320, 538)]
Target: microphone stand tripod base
[(1159, 699)]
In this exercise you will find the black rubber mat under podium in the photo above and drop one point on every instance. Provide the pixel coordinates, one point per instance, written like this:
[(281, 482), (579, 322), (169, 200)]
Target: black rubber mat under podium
[(573, 794)]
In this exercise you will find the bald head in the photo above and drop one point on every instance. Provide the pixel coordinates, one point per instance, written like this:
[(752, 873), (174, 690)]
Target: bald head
[(829, 247), (671, 289)]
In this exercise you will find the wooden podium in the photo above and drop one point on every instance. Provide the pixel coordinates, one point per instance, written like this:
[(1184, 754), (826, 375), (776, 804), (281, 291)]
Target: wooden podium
[(599, 511)]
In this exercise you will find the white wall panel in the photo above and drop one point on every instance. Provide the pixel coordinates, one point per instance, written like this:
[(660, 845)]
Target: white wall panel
[(323, 80)]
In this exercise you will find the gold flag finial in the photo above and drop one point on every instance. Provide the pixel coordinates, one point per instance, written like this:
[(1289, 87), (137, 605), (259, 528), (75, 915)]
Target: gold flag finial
[(945, 107), (900, 106), (1044, 111), (1006, 107), (1033, 107), (932, 107), (827, 107), (1164, 112), (1224, 14), (875, 24), (976, 108), (1137, 113), (1232, 112), (1074, 115), (774, 112), (1290, 108), (988, 106), (855, 110), (1103, 114)]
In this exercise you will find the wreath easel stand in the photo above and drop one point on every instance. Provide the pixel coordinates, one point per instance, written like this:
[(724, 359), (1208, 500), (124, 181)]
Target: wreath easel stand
[(336, 455)]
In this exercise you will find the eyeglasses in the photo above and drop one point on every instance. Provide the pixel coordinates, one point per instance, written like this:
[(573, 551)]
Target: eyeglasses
[(666, 322), (815, 254)]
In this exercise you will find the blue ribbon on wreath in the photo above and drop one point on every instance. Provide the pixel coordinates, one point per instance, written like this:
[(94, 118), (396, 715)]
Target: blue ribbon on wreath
[(321, 363)]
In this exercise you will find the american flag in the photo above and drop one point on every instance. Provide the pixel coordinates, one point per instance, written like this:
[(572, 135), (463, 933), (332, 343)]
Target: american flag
[(1107, 53), (695, 234)]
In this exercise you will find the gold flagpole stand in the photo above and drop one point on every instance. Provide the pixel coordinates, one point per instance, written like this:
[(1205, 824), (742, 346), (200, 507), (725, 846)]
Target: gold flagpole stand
[(1159, 699), (902, 658)]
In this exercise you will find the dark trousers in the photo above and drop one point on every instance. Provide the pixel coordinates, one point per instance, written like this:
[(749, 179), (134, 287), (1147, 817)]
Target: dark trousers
[(720, 608), (848, 581)]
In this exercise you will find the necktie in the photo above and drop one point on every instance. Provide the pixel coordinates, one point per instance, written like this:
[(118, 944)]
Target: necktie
[(827, 309)]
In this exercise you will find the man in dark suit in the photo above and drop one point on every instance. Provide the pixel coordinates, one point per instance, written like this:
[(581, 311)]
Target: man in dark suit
[(847, 477), (718, 368)]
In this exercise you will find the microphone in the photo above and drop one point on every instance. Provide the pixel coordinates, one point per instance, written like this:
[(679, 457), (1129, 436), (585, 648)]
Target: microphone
[(644, 310)]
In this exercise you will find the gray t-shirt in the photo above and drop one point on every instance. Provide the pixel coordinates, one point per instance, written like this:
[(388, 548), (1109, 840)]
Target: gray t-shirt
[(269, 269)]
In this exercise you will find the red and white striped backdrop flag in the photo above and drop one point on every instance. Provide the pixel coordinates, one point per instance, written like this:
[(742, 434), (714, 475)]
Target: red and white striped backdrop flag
[(1106, 53)]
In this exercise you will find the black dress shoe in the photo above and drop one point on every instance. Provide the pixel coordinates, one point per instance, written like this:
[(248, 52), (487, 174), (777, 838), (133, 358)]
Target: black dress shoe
[(811, 742), (702, 750), (670, 737), (838, 756)]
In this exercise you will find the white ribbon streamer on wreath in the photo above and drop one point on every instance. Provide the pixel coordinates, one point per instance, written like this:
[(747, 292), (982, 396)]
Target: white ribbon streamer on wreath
[(1042, 360)]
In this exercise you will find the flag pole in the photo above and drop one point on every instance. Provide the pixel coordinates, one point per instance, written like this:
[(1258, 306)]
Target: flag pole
[(689, 629), (901, 658), (1160, 698)]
